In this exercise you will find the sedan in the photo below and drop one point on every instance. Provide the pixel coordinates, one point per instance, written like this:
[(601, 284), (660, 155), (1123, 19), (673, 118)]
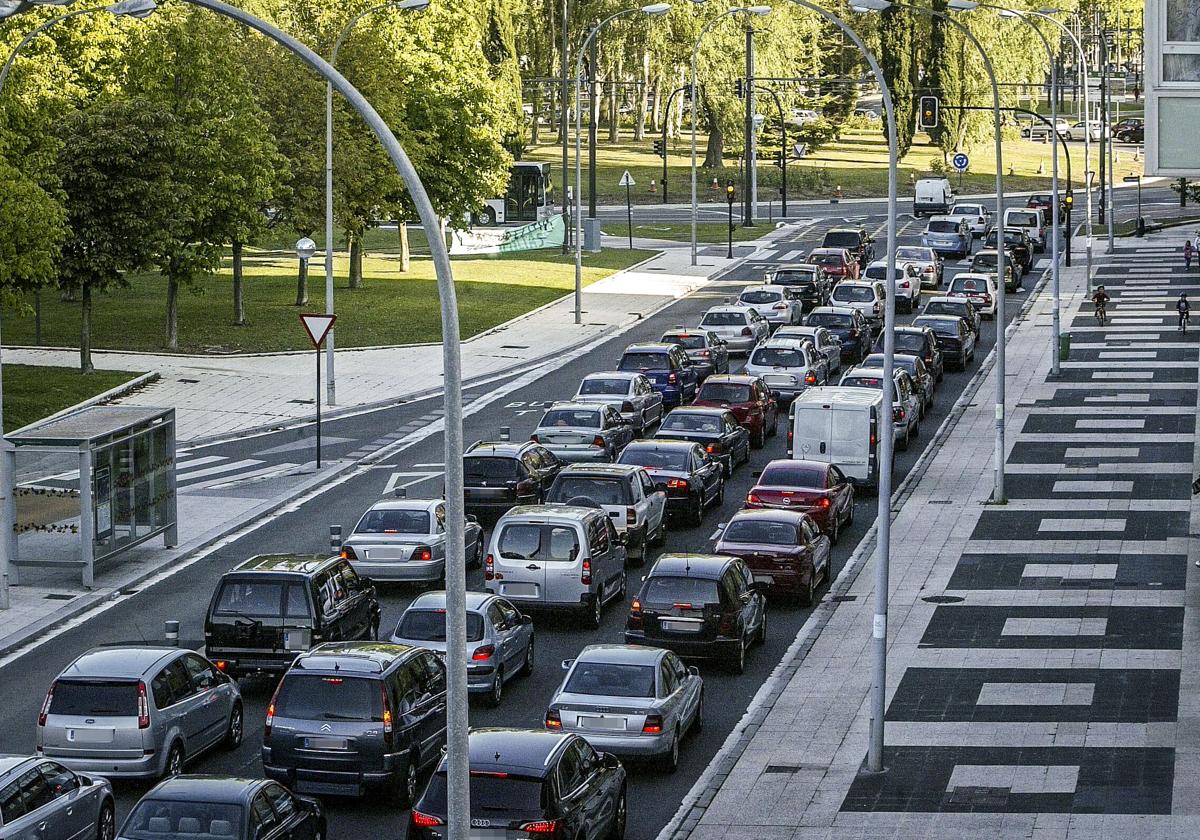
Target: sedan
[(750, 400), (922, 379), (224, 807), (692, 479), (774, 303), (716, 429), (783, 548), (740, 328), (405, 540), (583, 432), (814, 487), (629, 700), (954, 339), (43, 799), (630, 393), (707, 352), (499, 637), (848, 326)]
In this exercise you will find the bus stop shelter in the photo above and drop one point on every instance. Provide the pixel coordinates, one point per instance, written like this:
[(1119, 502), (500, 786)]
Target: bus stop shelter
[(126, 480)]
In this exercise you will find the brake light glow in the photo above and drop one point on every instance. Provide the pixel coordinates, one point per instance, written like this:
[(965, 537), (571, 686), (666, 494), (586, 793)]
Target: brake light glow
[(484, 652), (585, 576), (630, 516), (653, 725), (221, 665), (705, 353), (752, 499), (635, 606), (672, 378), (898, 414), (387, 717), (270, 719), (540, 827), (143, 707), (553, 719), (677, 484), (423, 553), (489, 567), (682, 606), (347, 553), (712, 447), (823, 503), (490, 774), (46, 706), (810, 378), (421, 820)]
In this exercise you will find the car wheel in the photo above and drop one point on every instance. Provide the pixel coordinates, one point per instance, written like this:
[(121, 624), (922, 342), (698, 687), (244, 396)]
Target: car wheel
[(477, 556), (496, 694), (660, 536), (719, 499), (760, 638), (592, 615), (174, 764), (698, 720), (527, 668), (850, 514), (727, 466), (487, 217), (696, 514), (757, 439), (671, 759), (406, 786), (916, 431), (774, 430), (806, 594), (619, 819), (836, 531), (106, 823), (233, 733), (738, 663)]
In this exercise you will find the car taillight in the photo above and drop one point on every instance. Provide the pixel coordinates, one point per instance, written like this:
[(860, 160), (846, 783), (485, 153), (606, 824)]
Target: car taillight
[(791, 437), (677, 484), (598, 441), (653, 725), (752, 499), (422, 552), (928, 358), (904, 284), (46, 706), (810, 378), (585, 577), (534, 438), (553, 719), (747, 331), (713, 448), (897, 414), (489, 568), (823, 503), (271, 713), (779, 307), (627, 406), (672, 378), (541, 827), (987, 298), (630, 516), (705, 354), (484, 652), (524, 487), (727, 625), (347, 553), (635, 614), (387, 717), (872, 441), (143, 707), (420, 820)]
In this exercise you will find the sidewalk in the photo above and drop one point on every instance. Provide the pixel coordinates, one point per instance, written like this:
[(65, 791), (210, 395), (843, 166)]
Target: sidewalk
[(1042, 668)]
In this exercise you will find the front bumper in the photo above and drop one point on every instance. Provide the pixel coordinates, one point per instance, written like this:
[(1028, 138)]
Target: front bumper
[(401, 571)]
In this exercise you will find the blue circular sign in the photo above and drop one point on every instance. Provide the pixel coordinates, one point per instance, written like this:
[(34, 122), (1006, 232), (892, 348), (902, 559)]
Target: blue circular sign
[(961, 162)]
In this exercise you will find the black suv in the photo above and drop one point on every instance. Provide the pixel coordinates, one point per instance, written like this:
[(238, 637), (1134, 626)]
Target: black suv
[(500, 476), (273, 607), (691, 478), (542, 784), (918, 341), (353, 717), (811, 281), (855, 240)]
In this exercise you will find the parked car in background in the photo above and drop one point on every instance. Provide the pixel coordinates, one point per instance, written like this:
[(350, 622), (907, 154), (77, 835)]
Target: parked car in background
[(740, 328), (980, 289), (817, 488), (637, 510), (1018, 247), (977, 216), (848, 326), (666, 366), (777, 304), (810, 282), (954, 338), (750, 400), (958, 305), (499, 476), (783, 549), (228, 808), (838, 263), (706, 350), (43, 799), (583, 432), (632, 394), (1130, 130), (923, 381), (1039, 130), (787, 366), (824, 340), (948, 235), (907, 279), (856, 240), (1094, 129), (692, 479), (918, 341), (403, 539)]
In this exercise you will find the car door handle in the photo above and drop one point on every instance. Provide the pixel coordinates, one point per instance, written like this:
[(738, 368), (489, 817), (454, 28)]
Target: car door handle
[(531, 567)]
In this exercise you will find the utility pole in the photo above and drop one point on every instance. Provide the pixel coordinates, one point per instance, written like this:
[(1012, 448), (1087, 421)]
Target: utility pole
[(564, 121), (750, 191)]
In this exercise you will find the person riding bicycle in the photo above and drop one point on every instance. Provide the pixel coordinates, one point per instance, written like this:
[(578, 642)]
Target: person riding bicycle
[(1183, 308), (1100, 298)]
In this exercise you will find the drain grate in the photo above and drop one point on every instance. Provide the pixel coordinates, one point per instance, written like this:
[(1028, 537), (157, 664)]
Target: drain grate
[(59, 596), (514, 346), (189, 381), (301, 402), (841, 599), (941, 501), (943, 599)]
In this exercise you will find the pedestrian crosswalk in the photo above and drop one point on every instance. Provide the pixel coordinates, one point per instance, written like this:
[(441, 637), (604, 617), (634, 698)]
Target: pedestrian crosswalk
[(193, 473)]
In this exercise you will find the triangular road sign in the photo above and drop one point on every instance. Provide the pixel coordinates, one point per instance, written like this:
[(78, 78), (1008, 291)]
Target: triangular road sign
[(317, 326), (626, 180)]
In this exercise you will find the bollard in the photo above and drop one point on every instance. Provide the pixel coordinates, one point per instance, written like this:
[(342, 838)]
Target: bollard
[(1064, 347), (335, 537), (171, 632)]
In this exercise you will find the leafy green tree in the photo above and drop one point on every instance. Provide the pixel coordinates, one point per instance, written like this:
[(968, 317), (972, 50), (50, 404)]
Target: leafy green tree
[(896, 45), (33, 222)]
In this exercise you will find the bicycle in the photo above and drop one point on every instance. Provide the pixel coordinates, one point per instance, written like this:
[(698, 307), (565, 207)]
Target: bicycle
[(1101, 313), (1184, 319)]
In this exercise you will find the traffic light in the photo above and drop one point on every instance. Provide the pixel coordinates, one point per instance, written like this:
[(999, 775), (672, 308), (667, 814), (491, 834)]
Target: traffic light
[(779, 158), (739, 88), (1069, 200), (730, 192), (660, 149), (929, 112)]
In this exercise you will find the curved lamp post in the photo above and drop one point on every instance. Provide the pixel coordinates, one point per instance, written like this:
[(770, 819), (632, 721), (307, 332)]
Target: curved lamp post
[(404, 5), (654, 10), (749, 10)]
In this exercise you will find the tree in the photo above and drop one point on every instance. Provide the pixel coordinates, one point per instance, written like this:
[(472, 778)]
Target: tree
[(34, 228), (896, 34)]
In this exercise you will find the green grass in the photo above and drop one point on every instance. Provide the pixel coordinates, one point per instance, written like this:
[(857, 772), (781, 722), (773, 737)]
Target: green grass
[(33, 392), (391, 308)]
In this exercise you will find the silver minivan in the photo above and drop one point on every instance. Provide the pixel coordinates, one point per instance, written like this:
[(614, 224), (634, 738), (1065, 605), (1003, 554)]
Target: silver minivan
[(562, 557), (138, 712)]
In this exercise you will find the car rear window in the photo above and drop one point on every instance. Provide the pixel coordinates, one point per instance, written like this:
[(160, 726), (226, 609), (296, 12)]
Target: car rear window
[(793, 278), (571, 417), (940, 327), (316, 697), (793, 475), (691, 421), (879, 272), (760, 531), (157, 819), (610, 679), (547, 543), (618, 387), (778, 357), (723, 319), (853, 294), (667, 589), (841, 239), (760, 296), (945, 307), (430, 626), (943, 227), (969, 286), (913, 254), (687, 342), (640, 360), (862, 382), (910, 341), (481, 468), (490, 795), (95, 698), (828, 259), (655, 459), (254, 598), (830, 319), (394, 522), (602, 491), (725, 392), (1023, 218)]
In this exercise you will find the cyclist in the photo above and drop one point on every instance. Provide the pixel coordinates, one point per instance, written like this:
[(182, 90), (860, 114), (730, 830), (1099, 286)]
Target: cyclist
[(1184, 310), (1099, 299)]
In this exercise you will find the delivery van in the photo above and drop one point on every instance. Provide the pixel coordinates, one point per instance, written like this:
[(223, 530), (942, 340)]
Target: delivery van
[(838, 426), (1031, 222), (934, 197)]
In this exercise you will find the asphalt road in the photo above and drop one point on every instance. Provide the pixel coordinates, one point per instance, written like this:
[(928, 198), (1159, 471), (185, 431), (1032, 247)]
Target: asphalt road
[(303, 527)]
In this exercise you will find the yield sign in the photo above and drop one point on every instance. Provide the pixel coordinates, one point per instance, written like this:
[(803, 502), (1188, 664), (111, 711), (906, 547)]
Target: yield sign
[(626, 180), (317, 327)]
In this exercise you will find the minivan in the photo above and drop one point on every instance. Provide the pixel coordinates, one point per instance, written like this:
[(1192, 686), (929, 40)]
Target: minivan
[(351, 717), (933, 197), (273, 607), (557, 557), (838, 426)]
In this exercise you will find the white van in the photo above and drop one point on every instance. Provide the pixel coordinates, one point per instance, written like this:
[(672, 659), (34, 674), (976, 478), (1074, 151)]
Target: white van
[(838, 426), (934, 197), (1030, 221)]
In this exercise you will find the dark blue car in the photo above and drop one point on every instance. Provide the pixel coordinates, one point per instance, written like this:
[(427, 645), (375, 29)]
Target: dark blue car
[(848, 326), (668, 369)]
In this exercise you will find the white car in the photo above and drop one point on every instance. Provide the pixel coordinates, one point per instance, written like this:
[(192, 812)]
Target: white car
[(774, 303), (741, 328), (906, 401), (784, 364), (927, 262), (867, 296), (404, 539), (1093, 128), (826, 342), (629, 393), (977, 216), (979, 288), (907, 278), (626, 492), (804, 116)]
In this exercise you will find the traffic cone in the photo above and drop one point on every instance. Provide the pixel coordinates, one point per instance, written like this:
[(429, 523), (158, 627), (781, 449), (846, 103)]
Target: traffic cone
[(715, 186), (653, 186)]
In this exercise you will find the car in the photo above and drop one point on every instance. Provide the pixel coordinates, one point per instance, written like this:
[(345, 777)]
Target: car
[(783, 549), (958, 305), (1030, 221), (692, 479), (715, 429), (566, 558), (818, 359), (630, 393), (583, 432), (667, 367), (906, 401), (847, 325), (353, 718), (1018, 249), (1130, 130), (1094, 129), (824, 340), (499, 637), (628, 700), (1045, 203), (706, 350), (811, 282), (948, 235), (750, 400), (817, 488), (529, 783), (867, 114), (402, 539), (932, 196), (856, 240), (778, 305), (701, 606), (977, 216), (802, 116), (138, 712), (987, 261), (867, 296), (225, 807), (740, 328), (269, 609), (44, 799), (918, 341), (980, 289), (635, 507), (907, 280), (788, 365), (838, 263), (500, 475), (927, 261), (1037, 129), (954, 338), (922, 379)]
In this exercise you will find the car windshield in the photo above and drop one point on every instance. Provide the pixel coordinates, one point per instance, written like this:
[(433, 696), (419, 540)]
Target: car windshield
[(490, 794), (688, 341), (655, 459), (580, 417), (793, 475), (793, 277), (760, 531), (644, 360), (394, 522), (609, 679), (841, 239), (913, 342), (480, 468), (255, 598), (98, 698), (904, 360), (828, 259), (615, 387), (913, 254), (723, 319), (323, 697), (831, 319), (724, 392), (777, 357), (430, 626), (602, 491), (760, 296), (691, 421), (939, 326), (166, 819), (528, 541), (667, 589), (853, 294), (945, 307), (943, 226)]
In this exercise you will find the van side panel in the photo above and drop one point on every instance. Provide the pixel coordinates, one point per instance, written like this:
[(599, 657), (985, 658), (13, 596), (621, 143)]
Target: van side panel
[(851, 443), (812, 433)]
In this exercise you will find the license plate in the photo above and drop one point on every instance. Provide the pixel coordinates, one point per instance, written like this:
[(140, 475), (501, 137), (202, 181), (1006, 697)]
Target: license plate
[(601, 722), (320, 742), (90, 736), (295, 640), (681, 626), (521, 590), (488, 834), (763, 578)]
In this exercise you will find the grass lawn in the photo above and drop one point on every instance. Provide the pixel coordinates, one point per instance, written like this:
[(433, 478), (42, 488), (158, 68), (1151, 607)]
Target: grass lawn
[(32, 392), (709, 232), (390, 308)]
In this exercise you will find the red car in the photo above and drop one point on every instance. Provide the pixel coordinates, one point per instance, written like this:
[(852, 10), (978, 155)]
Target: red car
[(836, 262), (1044, 202), (818, 489), (750, 400), (783, 548)]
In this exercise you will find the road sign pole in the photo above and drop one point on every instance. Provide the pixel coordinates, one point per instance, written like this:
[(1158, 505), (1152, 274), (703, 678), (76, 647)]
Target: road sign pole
[(629, 214), (318, 349), (318, 327)]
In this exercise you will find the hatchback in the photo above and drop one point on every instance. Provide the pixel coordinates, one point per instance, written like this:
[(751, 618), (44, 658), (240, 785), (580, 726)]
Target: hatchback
[(961, 306), (918, 341), (691, 478), (138, 712), (922, 380), (583, 432), (498, 476), (848, 326), (778, 304), (817, 488), (824, 340), (716, 429), (836, 262), (856, 240), (907, 280), (979, 289), (783, 549), (947, 235), (741, 328), (43, 799), (667, 367), (866, 296), (954, 339), (706, 350), (1018, 249), (810, 282), (404, 539), (224, 808), (750, 401), (927, 261), (787, 366)]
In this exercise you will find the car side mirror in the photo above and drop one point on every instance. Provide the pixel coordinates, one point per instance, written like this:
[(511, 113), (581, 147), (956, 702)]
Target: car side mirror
[(610, 761), (693, 670), (566, 664), (722, 525), (472, 518), (525, 619)]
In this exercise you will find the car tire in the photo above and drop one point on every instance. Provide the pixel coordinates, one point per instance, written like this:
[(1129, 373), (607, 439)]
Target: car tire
[(406, 788), (903, 447), (727, 467), (477, 556), (695, 516), (772, 432), (849, 515), (698, 720), (836, 531), (807, 594), (487, 217), (719, 499), (760, 638), (527, 666), (496, 695), (174, 764), (670, 761), (106, 822), (235, 729), (916, 431), (758, 439), (737, 664), (620, 819), (592, 613)]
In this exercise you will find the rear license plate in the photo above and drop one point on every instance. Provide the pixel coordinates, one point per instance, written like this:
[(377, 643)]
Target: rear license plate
[(681, 625), (320, 742), (767, 579), (90, 736), (488, 834), (296, 640), (521, 590), (327, 788), (602, 722)]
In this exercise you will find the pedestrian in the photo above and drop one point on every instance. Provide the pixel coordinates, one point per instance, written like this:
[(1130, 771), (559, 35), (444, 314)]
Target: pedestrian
[(1188, 251), (1196, 246)]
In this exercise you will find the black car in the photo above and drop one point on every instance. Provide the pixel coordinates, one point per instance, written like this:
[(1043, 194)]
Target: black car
[(707, 352), (856, 240), (1020, 249), (954, 338), (691, 477), (1130, 130), (848, 326), (268, 610), (919, 341), (527, 782), (810, 282), (224, 807), (716, 429), (500, 476), (353, 718), (699, 605)]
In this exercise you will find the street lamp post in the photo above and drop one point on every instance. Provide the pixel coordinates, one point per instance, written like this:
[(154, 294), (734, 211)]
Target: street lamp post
[(729, 196), (654, 10), (414, 5)]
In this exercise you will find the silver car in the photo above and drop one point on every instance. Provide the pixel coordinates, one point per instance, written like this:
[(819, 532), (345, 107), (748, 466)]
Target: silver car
[(778, 304), (630, 393), (634, 701), (977, 216), (499, 638), (785, 365), (43, 800), (825, 341), (739, 327), (924, 381), (947, 235), (583, 432), (138, 712), (405, 540)]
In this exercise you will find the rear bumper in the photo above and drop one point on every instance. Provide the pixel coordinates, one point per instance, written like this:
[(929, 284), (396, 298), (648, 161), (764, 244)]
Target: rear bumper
[(629, 745), (241, 664), (538, 604), (706, 649), (496, 506), (145, 767), (782, 579), (400, 571), (590, 455), (741, 343), (672, 395), (332, 782)]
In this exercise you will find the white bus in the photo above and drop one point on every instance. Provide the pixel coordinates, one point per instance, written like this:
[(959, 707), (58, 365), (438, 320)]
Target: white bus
[(526, 199)]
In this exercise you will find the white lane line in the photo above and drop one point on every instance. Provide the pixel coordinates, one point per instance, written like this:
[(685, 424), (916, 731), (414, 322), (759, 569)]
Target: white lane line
[(226, 481), (217, 469)]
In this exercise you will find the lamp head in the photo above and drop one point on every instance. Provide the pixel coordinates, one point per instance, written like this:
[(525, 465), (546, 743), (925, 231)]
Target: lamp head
[(758, 11), (962, 5), (1047, 10), (305, 248), (656, 9), (863, 6), (1008, 13), (140, 9), (413, 5)]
